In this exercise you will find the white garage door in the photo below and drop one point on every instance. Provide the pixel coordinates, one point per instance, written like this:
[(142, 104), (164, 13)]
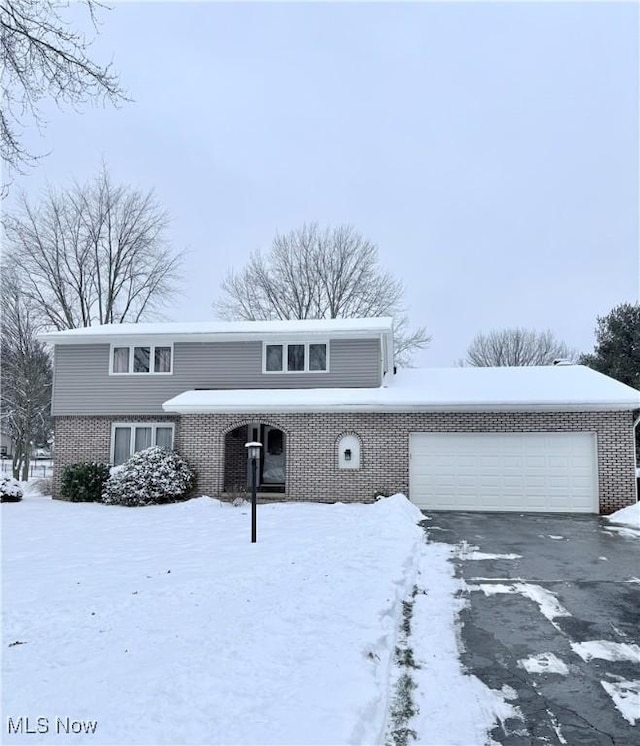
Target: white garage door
[(545, 472)]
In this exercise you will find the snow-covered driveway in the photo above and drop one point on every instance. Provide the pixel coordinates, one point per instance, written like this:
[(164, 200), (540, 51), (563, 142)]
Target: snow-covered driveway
[(165, 625)]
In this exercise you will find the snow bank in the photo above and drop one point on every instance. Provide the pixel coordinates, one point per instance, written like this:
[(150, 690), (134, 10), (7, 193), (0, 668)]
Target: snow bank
[(166, 625), (454, 706), (396, 506), (629, 516)]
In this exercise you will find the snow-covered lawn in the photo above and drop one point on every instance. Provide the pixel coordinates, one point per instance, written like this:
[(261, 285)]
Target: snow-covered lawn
[(165, 625), (629, 516)]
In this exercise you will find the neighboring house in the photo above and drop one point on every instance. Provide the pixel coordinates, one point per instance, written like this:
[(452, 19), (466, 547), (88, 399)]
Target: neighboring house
[(6, 445), (337, 424)]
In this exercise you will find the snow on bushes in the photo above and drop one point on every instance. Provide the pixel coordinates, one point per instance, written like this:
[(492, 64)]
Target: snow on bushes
[(10, 490), (149, 477), (83, 482)]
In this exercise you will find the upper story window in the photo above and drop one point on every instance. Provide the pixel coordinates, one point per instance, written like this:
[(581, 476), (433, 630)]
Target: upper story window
[(127, 359), (296, 357)]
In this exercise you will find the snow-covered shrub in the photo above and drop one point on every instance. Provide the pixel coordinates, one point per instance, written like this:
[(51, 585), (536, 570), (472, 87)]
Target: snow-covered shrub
[(83, 482), (149, 477), (10, 490)]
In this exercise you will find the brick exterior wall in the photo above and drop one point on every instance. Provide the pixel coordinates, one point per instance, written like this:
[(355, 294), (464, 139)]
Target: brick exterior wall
[(312, 460), (89, 439), (235, 463)]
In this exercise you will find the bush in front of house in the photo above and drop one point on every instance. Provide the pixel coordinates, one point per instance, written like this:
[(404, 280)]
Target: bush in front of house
[(150, 477), (10, 490), (83, 482)]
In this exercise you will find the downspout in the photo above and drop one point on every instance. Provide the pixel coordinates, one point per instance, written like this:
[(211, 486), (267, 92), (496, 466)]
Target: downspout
[(386, 360), (635, 453)]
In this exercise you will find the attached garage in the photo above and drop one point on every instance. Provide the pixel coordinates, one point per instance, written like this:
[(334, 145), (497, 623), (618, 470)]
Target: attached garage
[(557, 438), (535, 472)]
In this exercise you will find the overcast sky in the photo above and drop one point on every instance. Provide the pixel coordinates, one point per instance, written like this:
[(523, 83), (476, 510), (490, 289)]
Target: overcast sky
[(489, 150)]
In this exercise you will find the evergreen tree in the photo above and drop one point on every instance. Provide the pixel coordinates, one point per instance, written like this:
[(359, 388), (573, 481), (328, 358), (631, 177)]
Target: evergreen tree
[(617, 350)]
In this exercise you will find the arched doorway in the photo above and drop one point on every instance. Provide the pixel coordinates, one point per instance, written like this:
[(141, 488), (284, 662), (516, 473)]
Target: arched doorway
[(273, 465)]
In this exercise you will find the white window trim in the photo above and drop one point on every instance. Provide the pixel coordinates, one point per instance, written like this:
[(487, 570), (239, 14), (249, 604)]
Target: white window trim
[(152, 348), (284, 346), (132, 427)]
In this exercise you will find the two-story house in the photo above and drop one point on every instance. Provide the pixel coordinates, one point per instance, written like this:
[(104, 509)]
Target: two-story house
[(335, 420)]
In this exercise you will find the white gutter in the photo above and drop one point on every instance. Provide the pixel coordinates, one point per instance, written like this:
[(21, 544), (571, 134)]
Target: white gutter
[(389, 339), (400, 408)]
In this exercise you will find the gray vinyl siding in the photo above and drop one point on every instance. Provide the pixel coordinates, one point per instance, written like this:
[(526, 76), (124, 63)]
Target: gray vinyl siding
[(82, 384)]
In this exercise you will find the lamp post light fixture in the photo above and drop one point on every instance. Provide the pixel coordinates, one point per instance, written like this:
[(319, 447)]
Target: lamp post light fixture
[(253, 454)]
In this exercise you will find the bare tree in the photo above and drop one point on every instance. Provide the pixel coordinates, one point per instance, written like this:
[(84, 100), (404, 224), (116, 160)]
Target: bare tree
[(43, 56), (319, 273), (25, 367), (93, 254), (516, 347)]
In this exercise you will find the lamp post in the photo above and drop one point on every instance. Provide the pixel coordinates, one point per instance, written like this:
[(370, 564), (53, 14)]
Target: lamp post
[(253, 454)]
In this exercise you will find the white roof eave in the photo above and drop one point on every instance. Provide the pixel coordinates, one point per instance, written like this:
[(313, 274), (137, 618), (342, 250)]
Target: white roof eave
[(164, 338), (404, 408)]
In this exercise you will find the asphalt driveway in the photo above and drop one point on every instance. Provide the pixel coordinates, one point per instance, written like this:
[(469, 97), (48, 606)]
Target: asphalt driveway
[(562, 580)]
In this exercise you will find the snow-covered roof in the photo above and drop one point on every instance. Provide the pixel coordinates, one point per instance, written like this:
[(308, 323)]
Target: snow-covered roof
[(551, 388), (221, 330)]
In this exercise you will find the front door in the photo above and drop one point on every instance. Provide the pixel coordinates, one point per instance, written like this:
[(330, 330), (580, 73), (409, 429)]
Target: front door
[(273, 455)]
